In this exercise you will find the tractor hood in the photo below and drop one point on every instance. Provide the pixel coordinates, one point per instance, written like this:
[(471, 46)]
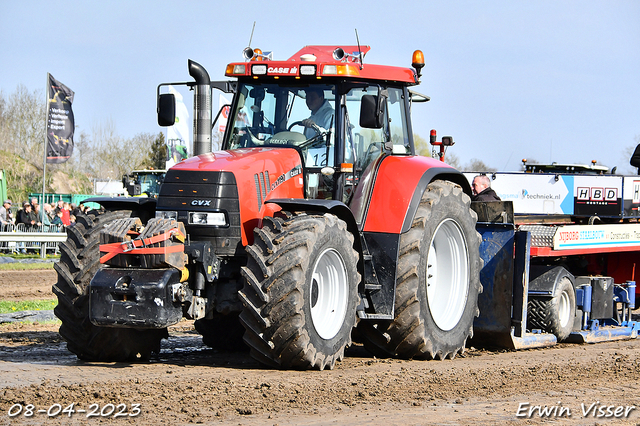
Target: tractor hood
[(250, 176), (245, 160)]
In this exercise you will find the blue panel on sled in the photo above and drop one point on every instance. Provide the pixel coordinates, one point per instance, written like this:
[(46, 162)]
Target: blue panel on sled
[(493, 326)]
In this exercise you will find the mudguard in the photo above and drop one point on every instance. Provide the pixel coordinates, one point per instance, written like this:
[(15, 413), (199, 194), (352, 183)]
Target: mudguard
[(544, 279), (399, 184)]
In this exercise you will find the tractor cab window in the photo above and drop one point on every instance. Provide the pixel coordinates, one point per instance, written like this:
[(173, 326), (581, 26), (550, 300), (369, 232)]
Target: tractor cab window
[(277, 116), (365, 143)]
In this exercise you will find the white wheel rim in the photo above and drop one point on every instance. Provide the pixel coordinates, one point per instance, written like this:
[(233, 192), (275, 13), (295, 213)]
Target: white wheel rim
[(329, 294), (447, 275), (564, 309)]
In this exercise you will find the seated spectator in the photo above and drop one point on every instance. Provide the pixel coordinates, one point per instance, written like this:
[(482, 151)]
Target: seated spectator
[(481, 187)]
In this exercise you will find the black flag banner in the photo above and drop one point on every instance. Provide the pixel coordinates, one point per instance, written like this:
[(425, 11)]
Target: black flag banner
[(60, 123)]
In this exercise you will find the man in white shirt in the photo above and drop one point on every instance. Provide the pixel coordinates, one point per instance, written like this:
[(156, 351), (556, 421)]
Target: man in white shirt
[(321, 112)]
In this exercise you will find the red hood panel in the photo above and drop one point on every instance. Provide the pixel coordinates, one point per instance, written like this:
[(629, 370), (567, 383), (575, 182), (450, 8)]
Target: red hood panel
[(261, 174)]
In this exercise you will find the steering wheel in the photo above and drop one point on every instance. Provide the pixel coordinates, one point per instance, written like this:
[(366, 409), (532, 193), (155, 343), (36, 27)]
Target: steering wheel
[(314, 126), (314, 139)]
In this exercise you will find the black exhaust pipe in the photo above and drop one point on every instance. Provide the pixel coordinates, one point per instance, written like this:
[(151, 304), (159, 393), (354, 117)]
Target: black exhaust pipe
[(201, 109)]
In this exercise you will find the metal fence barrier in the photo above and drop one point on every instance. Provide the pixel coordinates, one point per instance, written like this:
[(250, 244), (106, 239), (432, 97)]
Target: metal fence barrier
[(19, 238)]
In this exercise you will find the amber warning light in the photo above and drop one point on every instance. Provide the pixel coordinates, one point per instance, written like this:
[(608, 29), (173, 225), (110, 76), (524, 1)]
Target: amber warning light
[(417, 61)]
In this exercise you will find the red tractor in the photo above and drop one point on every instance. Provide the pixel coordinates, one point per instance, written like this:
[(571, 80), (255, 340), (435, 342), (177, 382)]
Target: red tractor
[(316, 216)]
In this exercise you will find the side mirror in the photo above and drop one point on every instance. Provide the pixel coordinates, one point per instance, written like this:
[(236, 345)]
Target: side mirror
[(166, 109), (447, 140), (371, 112)]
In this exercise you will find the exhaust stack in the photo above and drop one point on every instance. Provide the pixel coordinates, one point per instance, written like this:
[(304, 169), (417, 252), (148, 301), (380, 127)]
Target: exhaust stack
[(201, 108)]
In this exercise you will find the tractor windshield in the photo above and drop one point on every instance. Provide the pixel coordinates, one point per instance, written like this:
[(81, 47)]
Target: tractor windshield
[(274, 115)]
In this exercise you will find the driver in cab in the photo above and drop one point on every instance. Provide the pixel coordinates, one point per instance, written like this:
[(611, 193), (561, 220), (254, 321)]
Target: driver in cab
[(321, 112)]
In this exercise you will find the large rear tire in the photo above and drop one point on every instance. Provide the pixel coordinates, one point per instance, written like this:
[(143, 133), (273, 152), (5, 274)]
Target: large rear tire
[(554, 315), (79, 261), (437, 284), (300, 292)]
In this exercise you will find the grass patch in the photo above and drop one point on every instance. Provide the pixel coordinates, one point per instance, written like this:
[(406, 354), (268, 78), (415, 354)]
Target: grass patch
[(7, 306), (17, 266)]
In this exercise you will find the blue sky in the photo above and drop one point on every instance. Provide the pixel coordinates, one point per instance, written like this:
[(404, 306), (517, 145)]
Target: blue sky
[(548, 80)]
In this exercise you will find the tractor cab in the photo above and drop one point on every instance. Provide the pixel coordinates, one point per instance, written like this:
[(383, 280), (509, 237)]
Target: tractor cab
[(338, 113), (337, 128)]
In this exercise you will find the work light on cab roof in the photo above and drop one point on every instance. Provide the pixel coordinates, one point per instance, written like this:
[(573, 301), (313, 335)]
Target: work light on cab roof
[(319, 62)]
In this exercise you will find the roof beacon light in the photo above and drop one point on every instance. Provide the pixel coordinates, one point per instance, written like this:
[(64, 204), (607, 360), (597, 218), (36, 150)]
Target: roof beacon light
[(417, 61)]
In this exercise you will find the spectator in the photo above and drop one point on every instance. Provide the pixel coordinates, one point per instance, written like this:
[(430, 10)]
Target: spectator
[(6, 217), (46, 217), (65, 213), (27, 216), (57, 220), (34, 203), (59, 206), (481, 187), (72, 220), (51, 211)]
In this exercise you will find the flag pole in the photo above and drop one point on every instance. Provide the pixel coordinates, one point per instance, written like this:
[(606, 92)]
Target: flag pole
[(46, 141)]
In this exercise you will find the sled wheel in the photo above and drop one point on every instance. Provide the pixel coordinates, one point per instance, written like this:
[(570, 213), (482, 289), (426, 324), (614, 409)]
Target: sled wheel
[(554, 315)]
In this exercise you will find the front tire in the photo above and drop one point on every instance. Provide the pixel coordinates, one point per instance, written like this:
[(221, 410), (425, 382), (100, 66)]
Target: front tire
[(437, 284), (79, 261), (300, 292)]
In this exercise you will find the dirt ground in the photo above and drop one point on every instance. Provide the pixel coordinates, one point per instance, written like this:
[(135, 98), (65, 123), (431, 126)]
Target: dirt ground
[(40, 381)]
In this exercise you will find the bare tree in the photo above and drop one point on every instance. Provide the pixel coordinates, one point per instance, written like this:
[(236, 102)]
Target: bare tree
[(107, 155), (157, 155), (628, 152), (475, 165)]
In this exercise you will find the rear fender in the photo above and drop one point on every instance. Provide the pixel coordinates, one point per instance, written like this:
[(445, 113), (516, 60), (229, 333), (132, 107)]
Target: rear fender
[(399, 184)]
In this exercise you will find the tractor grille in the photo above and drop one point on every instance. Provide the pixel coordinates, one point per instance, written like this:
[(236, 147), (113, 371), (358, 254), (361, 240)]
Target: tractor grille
[(187, 191)]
